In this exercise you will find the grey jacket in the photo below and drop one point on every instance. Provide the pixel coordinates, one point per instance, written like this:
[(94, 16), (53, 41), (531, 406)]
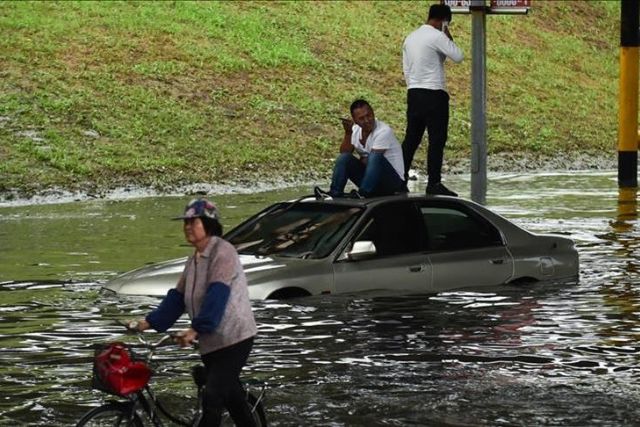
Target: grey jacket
[(219, 263)]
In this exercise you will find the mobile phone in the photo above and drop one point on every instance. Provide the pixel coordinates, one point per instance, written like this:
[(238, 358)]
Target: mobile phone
[(445, 25), (345, 121)]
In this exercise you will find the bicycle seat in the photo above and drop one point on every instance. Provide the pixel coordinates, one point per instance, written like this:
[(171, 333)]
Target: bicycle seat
[(199, 374)]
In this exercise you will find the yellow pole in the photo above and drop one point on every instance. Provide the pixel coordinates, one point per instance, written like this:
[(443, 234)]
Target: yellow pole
[(628, 96), (628, 114)]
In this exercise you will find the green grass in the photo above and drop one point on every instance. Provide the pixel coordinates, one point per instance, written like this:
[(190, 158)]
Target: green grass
[(101, 94)]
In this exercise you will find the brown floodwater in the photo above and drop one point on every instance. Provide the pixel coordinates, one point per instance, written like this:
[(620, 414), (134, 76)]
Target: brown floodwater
[(552, 355)]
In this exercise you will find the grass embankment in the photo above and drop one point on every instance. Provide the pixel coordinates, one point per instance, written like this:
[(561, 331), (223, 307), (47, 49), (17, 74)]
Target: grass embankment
[(100, 94)]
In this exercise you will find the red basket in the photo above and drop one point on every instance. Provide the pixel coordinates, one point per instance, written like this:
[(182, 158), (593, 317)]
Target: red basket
[(115, 371)]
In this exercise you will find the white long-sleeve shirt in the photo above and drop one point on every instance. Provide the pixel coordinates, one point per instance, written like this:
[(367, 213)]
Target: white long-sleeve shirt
[(423, 54)]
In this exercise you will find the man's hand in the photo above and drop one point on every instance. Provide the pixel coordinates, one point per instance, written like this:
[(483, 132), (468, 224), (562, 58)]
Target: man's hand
[(186, 338), (447, 33), (347, 124), (345, 146)]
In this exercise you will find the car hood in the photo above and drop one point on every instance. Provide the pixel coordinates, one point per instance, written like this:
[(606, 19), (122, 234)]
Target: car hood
[(158, 278)]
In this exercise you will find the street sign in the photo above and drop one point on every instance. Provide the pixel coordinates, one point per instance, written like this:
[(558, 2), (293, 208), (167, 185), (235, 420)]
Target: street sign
[(510, 6), (496, 7), (458, 6)]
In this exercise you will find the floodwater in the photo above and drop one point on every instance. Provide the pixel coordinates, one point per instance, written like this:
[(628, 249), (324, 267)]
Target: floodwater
[(548, 355)]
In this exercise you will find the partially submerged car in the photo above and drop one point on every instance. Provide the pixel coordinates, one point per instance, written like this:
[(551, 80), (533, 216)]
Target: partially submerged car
[(405, 243)]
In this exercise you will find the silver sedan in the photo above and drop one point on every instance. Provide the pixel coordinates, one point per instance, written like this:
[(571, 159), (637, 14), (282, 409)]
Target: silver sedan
[(398, 243)]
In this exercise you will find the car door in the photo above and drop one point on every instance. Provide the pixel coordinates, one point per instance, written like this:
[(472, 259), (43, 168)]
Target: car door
[(400, 261), (465, 250)]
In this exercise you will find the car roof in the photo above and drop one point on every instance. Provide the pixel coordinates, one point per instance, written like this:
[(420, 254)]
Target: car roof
[(368, 203), (499, 221), (373, 201)]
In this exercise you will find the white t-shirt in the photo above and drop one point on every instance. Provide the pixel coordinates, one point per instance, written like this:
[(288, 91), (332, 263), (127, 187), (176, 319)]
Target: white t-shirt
[(423, 54), (381, 138)]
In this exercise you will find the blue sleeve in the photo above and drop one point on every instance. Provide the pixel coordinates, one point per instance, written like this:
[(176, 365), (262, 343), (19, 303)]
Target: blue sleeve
[(169, 310), (212, 309)]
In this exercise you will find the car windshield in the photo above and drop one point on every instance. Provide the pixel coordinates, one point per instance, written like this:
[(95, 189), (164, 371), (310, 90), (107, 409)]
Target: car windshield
[(301, 230)]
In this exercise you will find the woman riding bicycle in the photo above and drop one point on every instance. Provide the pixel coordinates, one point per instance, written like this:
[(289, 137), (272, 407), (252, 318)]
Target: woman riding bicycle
[(213, 291)]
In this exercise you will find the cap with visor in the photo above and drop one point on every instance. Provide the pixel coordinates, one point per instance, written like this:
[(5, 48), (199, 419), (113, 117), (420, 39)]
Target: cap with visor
[(199, 208)]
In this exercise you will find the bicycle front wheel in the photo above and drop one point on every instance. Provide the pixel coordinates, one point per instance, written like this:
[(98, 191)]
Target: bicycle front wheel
[(112, 415), (257, 413), (259, 417)]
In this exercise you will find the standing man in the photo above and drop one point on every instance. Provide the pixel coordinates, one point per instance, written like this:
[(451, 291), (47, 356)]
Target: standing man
[(423, 54), (378, 170)]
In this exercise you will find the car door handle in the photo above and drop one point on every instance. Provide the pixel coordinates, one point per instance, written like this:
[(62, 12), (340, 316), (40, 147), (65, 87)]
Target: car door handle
[(417, 268), (497, 261)]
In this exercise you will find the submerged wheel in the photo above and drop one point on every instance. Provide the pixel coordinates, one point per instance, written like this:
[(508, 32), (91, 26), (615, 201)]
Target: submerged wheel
[(257, 410), (288, 293), (111, 414), (259, 416)]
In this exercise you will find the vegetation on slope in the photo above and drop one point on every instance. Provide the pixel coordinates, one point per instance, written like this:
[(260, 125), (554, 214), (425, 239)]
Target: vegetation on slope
[(102, 94)]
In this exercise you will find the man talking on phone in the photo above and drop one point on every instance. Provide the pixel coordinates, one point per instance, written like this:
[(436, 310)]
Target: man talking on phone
[(376, 168), (423, 54)]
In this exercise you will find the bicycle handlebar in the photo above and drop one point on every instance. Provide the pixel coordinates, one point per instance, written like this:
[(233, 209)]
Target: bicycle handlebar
[(153, 346), (131, 327)]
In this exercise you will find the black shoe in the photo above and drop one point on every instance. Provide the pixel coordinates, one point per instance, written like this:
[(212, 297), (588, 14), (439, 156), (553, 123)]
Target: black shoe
[(320, 193), (353, 194), (440, 190)]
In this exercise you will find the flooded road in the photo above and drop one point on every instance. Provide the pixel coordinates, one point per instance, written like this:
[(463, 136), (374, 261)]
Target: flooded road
[(537, 355)]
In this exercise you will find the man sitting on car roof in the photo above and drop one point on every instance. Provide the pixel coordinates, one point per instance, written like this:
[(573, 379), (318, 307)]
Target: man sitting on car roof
[(379, 169)]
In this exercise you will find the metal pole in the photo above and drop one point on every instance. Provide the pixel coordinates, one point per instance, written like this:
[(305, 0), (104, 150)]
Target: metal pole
[(628, 96), (478, 102)]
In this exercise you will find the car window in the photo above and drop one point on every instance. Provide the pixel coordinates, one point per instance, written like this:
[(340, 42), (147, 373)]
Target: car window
[(451, 228), (394, 228), (303, 230)]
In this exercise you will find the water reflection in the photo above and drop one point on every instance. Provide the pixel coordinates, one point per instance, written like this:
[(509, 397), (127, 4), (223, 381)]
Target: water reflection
[(621, 295), (531, 355)]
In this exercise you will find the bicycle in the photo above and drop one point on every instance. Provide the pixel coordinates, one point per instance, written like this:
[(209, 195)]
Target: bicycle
[(141, 402)]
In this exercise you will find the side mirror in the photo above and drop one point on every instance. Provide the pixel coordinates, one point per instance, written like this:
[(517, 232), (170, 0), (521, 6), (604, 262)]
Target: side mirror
[(361, 250)]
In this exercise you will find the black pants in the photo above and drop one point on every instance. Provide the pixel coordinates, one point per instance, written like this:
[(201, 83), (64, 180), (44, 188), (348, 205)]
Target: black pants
[(223, 389), (426, 109)]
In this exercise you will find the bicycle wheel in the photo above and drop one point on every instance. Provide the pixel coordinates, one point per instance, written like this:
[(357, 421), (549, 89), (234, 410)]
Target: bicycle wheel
[(259, 416), (113, 415)]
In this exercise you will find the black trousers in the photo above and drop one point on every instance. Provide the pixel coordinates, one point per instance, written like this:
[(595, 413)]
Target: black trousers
[(224, 389), (426, 109)]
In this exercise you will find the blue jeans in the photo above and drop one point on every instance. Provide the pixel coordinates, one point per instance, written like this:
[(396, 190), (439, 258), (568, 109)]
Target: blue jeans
[(376, 178)]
